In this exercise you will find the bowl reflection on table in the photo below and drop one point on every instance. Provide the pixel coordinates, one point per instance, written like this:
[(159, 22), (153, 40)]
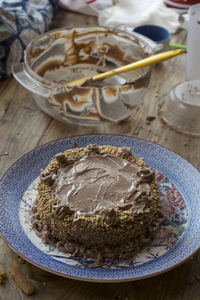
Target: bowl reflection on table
[(63, 55)]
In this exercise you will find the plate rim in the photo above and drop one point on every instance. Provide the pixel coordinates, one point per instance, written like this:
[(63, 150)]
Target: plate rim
[(89, 278)]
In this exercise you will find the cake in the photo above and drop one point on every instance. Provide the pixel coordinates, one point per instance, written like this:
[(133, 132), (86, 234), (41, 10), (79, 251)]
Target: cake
[(97, 202)]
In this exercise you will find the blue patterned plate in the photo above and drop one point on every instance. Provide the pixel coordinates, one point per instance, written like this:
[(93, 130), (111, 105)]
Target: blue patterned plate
[(179, 236)]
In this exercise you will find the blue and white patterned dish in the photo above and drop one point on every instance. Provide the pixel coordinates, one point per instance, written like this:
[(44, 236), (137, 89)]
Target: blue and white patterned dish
[(180, 193)]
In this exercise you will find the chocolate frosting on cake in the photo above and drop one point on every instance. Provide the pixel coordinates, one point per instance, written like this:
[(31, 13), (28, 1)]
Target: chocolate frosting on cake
[(98, 183), (92, 200)]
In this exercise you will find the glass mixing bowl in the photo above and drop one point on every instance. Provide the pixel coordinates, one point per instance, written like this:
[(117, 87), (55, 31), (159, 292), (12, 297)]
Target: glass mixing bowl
[(63, 55)]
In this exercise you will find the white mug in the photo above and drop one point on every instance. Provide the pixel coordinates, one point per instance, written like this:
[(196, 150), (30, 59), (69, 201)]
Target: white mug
[(193, 44)]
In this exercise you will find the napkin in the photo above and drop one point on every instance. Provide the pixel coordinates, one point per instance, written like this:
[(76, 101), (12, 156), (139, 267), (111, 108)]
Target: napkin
[(139, 12), (20, 22), (86, 7)]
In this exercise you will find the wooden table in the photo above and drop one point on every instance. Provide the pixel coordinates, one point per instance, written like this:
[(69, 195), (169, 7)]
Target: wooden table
[(23, 126)]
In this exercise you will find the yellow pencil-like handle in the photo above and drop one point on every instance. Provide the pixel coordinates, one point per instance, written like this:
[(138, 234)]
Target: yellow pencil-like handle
[(154, 59)]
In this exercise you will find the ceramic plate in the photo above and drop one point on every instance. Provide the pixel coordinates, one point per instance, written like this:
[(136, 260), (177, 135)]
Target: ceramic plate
[(179, 235)]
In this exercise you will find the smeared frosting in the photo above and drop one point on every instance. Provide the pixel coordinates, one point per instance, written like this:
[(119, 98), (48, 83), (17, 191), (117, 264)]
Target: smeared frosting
[(98, 182)]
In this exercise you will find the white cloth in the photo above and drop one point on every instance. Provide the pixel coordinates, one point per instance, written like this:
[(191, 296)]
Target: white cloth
[(87, 7), (134, 13)]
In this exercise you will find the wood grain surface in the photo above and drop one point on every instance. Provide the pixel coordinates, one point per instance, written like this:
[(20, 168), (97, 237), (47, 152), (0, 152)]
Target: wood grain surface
[(23, 126)]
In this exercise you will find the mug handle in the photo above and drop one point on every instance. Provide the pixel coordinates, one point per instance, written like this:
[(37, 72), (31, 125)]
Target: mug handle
[(28, 82)]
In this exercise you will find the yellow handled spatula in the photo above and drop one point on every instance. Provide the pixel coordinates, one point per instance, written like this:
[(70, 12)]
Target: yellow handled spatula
[(154, 59)]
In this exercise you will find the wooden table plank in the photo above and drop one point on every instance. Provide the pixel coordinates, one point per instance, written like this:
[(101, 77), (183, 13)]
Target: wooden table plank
[(21, 123)]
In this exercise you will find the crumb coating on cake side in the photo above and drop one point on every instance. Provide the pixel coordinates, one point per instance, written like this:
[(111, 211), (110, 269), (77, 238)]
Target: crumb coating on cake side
[(115, 232)]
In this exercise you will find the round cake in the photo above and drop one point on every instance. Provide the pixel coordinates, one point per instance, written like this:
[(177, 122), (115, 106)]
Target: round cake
[(98, 202)]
